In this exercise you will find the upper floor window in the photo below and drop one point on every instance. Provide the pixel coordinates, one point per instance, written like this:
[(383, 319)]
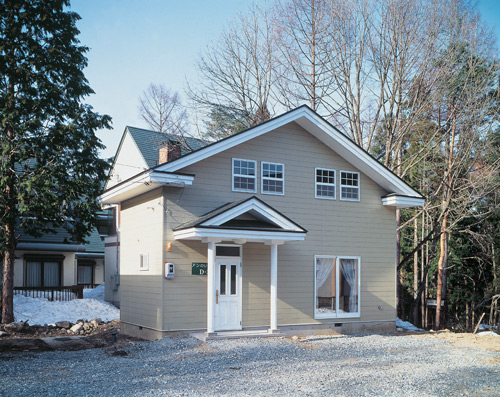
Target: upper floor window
[(244, 175), (325, 183), (349, 185), (273, 178)]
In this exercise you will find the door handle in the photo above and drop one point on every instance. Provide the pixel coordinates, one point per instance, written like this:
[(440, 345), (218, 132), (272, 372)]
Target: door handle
[(216, 296)]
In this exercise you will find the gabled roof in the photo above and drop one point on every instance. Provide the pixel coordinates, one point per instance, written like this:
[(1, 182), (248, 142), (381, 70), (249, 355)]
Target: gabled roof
[(149, 142), (250, 219), (319, 128), (223, 215)]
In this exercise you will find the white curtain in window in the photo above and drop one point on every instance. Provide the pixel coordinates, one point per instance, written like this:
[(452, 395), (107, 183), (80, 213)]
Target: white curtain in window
[(324, 268), (33, 274), (51, 274), (349, 271)]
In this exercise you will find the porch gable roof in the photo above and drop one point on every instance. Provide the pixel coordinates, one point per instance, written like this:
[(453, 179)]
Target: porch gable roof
[(250, 219)]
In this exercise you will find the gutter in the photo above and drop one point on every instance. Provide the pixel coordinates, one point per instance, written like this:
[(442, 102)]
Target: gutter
[(51, 247)]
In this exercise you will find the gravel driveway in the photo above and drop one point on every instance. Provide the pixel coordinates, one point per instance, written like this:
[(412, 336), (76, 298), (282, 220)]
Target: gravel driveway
[(365, 365)]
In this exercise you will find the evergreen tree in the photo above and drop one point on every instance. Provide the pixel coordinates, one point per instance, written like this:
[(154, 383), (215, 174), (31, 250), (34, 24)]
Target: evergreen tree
[(50, 172)]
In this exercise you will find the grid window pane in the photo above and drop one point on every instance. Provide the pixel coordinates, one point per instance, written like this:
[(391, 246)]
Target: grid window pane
[(273, 178), (244, 175), (349, 185), (325, 183)]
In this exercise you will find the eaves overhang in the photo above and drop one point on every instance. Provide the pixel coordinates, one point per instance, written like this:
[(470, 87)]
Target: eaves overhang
[(143, 183), (319, 128), (400, 201), (227, 234)]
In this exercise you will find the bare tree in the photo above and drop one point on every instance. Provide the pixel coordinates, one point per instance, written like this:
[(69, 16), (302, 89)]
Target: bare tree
[(237, 72), (162, 110), (305, 75)]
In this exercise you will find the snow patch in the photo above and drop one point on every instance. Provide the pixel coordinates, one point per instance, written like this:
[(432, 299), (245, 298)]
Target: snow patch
[(95, 293), (406, 325), (487, 333), (41, 311)]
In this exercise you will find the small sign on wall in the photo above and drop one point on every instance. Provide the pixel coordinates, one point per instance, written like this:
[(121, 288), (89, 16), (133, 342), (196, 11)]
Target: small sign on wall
[(199, 268)]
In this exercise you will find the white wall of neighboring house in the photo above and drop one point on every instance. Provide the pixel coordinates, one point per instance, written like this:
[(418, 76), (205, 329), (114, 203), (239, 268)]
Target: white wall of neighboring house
[(128, 163), (68, 270)]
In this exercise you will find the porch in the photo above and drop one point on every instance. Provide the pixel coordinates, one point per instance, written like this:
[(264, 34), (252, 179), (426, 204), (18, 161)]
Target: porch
[(226, 230)]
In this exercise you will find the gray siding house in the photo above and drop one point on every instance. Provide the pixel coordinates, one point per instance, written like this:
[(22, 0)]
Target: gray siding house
[(286, 227)]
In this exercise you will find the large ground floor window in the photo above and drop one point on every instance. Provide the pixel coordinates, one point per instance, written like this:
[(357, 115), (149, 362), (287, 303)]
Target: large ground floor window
[(43, 271), (336, 280)]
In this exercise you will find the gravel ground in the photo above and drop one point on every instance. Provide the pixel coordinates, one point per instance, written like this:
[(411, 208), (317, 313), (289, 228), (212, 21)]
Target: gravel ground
[(363, 365)]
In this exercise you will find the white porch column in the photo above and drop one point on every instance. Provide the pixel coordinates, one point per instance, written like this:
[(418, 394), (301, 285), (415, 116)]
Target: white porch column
[(274, 287), (211, 287)]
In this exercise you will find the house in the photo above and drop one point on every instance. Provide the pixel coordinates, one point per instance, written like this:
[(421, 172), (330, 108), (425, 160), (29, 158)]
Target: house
[(138, 150), (54, 260), (288, 226)]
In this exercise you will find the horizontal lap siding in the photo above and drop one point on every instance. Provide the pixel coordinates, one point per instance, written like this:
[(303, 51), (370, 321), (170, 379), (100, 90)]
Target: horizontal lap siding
[(365, 229), (141, 232)]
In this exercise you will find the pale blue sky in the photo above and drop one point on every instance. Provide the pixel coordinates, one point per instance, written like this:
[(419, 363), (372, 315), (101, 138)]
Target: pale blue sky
[(133, 43)]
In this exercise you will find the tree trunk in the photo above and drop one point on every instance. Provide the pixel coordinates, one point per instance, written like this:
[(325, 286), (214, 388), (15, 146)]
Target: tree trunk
[(8, 279), (439, 292), (424, 263), (10, 216), (415, 271)]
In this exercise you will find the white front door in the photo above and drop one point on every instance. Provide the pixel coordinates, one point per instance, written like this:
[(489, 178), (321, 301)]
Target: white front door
[(228, 294)]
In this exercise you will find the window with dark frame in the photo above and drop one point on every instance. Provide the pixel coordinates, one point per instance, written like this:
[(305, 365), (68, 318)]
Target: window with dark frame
[(43, 271)]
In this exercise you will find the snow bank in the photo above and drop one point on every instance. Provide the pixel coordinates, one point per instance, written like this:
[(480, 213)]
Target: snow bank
[(95, 293), (487, 333), (41, 311), (406, 325)]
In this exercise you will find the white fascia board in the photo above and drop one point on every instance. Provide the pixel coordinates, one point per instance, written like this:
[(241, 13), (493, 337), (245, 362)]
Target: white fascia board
[(233, 141), (319, 128), (259, 207), (195, 233), (403, 201), (141, 184), (355, 155)]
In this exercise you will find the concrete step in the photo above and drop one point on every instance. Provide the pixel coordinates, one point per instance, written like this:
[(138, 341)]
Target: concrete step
[(236, 334)]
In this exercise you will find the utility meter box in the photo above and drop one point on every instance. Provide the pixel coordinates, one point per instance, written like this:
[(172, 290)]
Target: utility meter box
[(169, 270)]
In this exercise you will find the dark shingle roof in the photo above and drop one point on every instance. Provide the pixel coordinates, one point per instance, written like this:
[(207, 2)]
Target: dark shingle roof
[(93, 243), (149, 142)]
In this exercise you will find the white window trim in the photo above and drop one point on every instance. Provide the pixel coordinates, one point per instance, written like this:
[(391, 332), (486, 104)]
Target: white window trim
[(244, 176), (357, 314), (316, 183), (143, 262), (341, 186), (274, 179)]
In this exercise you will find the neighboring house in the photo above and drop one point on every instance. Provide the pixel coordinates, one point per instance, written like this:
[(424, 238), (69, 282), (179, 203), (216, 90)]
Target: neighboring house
[(287, 226), (54, 260)]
